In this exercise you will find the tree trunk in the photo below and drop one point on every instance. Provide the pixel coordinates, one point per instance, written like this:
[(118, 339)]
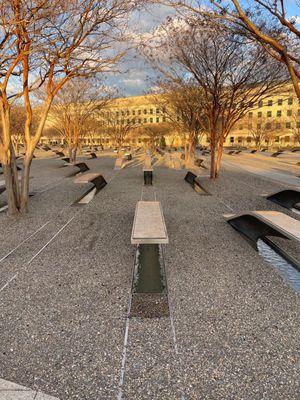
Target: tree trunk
[(25, 181), (11, 181), (213, 172), (219, 155)]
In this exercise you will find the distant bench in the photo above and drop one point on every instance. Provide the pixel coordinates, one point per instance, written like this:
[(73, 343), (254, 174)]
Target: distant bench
[(149, 225), (148, 170), (2, 186), (288, 198), (93, 155), (193, 180), (98, 182), (259, 224)]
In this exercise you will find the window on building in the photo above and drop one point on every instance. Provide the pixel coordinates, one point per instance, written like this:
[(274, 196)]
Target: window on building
[(231, 139), (164, 119), (139, 112), (151, 110), (240, 139), (260, 103), (268, 125), (251, 104), (128, 121), (269, 114), (286, 139), (259, 114), (279, 102), (288, 125), (278, 125), (157, 119), (298, 124), (123, 112), (133, 121), (164, 109), (139, 120), (290, 101), (133, 112), (276, 139), (270, 103), (157, 111), (117, 113), (250, 115), (151, 120), (128, 112), (145, 120), (249, 139), (289, 113), (145, 111), (279, 113)]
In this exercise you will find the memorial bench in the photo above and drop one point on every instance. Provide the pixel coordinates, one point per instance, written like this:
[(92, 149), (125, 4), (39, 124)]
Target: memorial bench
[(256, 225), (2, 186), (60, 153), (93, 155), (148, 170), (277, 153), (199, 162), (193, 180), (149, 225), (98, 182), (288, 198)]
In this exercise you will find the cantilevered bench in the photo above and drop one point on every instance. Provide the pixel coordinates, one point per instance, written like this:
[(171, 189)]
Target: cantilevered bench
[(256, 225), (60, 153), (98, 182), (93, 155), (289, 198), (2, 186), (277, 153), (148, 170), (193, 180), (149, 225)]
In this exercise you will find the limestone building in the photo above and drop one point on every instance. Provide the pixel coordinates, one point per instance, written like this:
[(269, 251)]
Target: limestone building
[(273, 121)]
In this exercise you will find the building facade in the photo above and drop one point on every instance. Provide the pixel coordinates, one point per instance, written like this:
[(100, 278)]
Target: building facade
[(273, 121)]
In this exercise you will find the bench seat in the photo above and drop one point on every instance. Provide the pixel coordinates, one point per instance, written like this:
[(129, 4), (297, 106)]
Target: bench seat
[(258, 224), (149, 224), (288, 198)]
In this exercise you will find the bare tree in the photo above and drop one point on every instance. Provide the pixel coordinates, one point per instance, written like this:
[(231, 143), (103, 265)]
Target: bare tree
[(232, 72), (120, 129), (262, 131), (183, 104), (78, 103), (267, 22), (47, 43)]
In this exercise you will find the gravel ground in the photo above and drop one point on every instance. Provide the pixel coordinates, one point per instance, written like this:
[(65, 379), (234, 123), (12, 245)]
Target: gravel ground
[(233, 330)]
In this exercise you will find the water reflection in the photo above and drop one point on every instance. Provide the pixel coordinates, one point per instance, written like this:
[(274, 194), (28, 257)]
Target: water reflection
[(286, 270)]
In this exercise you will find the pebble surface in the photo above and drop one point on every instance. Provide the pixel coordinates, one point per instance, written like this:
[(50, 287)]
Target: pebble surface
[(233, 328)]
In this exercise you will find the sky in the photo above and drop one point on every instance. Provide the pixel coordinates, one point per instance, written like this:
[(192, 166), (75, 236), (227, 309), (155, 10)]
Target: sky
[(136, 77)]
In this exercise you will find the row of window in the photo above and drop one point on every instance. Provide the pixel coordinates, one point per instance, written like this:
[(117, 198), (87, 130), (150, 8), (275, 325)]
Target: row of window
[(134, 112), (268, 125), (289, 113), (270, 103), (249, 139), (135, 121)]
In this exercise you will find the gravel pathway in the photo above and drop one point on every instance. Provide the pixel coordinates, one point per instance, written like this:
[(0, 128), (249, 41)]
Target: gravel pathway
[(233, 330)]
